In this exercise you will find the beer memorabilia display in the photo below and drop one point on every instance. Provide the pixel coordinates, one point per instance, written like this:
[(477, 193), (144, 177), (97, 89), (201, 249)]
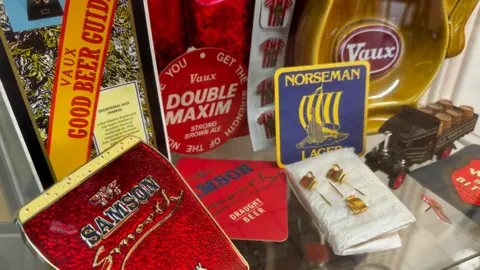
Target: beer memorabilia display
[(271, 26), (179, 26), (88, 80), (247, 198), (319, 109), (126, 203), (93, 86), (204, 95), (414, 136), (394, 36), (354, 223), (455, 180)]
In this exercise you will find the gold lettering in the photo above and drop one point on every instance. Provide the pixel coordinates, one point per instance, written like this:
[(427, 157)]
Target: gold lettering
[(309, 78), (326, 77), (302, 78), (289, 78), (106, 261), (336, 75), (356, 73), (346, 75), (319, 151), (317, 77)]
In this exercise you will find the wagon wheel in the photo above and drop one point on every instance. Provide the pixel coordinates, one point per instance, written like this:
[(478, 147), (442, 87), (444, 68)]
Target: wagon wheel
[(446, 152), (316, 253), (396, 181)]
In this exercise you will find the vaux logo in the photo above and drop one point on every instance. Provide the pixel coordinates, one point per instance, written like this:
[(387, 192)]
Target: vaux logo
[(379, 44), (467, 182)]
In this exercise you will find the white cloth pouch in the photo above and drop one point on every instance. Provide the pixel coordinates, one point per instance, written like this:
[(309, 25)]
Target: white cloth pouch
[(372, 230)]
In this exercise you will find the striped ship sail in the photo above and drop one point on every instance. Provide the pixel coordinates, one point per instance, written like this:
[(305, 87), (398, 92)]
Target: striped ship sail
[(318, 114)]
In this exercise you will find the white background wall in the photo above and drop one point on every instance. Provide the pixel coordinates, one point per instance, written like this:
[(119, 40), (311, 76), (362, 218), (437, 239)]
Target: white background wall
[(459, 77)]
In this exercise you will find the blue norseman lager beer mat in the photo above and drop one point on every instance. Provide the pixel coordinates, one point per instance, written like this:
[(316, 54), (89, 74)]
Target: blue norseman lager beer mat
[(319, 109), (455, 179)]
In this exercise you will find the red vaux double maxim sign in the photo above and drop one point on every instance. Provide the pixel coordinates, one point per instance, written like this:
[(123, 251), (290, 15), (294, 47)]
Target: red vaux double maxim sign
[(204, 99)]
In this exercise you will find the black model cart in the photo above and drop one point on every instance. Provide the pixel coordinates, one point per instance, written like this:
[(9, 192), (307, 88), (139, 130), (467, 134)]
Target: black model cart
[(411, 137)]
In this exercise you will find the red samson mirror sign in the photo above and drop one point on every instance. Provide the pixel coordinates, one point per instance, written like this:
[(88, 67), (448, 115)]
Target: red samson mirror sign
[(129, 208)]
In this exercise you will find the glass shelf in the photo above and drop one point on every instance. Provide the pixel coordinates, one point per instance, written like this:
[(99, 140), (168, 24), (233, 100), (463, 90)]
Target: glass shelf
[(427, 244)]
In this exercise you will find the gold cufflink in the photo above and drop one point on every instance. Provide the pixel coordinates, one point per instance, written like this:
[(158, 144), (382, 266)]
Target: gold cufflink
[(356, 205), (337, 175), (309, 182)]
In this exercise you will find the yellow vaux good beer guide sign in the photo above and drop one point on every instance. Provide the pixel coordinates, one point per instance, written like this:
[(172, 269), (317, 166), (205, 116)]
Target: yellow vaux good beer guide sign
[(81, 57)]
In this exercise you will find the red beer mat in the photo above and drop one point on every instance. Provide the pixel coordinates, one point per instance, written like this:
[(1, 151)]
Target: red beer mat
[(247, 198)]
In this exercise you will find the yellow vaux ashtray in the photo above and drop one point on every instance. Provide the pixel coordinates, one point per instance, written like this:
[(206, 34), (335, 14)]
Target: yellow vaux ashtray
[(405, 42)]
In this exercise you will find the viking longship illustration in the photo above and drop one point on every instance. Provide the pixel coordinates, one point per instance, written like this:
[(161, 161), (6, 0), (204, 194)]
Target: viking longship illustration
[(318, 114)]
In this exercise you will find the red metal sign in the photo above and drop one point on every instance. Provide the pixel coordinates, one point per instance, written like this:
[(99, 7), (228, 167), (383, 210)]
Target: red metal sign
[(204, 99), (379, 44), (467, 182), (127, 209)]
